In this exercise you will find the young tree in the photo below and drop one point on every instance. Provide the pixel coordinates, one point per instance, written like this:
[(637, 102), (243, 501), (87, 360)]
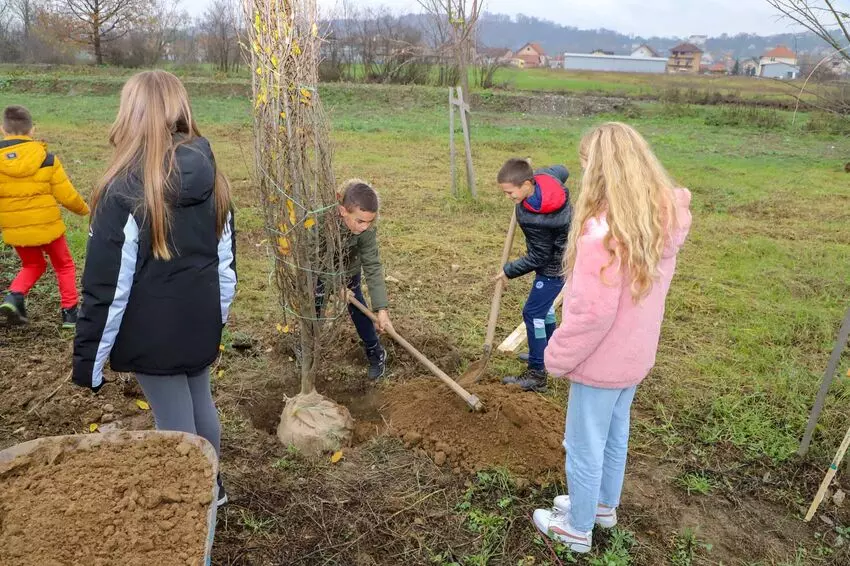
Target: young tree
[(736, 69), (104, 21), (297, 191), (462, 19)]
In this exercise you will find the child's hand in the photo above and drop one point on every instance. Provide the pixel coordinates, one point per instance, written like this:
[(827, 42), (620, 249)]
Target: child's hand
[(384, 324), (501, 277)]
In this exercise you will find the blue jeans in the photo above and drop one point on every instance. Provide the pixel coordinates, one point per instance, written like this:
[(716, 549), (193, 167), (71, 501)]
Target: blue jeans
[(597, 441), (365, 327), (539, 316)]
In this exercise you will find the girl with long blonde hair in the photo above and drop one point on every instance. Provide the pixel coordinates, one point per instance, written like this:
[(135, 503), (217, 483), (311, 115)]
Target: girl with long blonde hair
[(160, 270), (630, 223)]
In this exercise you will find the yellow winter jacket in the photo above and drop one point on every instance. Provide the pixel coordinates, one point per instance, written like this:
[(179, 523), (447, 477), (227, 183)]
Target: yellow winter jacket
[(32, 185)]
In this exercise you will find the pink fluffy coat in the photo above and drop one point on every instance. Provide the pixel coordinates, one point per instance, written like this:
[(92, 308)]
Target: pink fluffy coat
[(605, 339)]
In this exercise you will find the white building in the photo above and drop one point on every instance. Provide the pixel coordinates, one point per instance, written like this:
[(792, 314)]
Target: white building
[(645, 51), (634, 63), (779, 70), (779, 54)]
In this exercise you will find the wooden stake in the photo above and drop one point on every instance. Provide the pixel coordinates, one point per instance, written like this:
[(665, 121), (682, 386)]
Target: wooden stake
[(470, 169), (828, 377), (452, 148), (830, 473)]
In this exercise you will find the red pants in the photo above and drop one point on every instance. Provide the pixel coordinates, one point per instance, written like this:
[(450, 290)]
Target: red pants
[(33, 266)]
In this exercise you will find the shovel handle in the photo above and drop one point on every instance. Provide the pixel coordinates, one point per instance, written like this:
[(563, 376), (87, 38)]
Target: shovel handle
[(470, 399), (500, 286)]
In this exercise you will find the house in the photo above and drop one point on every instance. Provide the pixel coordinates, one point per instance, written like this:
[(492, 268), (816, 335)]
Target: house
[(779, 70), (749, 67), (556, 62), (779, 54), (644, 51), (494, 55), (614, 63), (532, 56), (684, 58), (717, 69)]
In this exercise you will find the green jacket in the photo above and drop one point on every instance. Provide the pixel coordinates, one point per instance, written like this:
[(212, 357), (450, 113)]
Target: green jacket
[(361, 253)]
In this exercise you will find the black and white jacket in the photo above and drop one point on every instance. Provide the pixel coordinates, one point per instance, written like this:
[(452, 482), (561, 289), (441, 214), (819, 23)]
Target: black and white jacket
[(143, 314)]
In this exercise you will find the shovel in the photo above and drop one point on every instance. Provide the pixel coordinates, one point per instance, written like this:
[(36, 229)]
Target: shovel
[(476, 369), (471, 400)]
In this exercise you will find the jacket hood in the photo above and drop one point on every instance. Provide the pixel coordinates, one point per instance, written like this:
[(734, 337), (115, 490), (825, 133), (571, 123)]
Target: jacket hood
[(196, 167), (554, 195), (683, 223), (21, 156)]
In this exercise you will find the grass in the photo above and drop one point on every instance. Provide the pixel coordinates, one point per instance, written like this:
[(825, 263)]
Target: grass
[(760, 289)]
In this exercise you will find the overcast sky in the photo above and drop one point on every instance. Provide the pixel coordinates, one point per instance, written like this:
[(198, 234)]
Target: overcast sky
[(674, 18)]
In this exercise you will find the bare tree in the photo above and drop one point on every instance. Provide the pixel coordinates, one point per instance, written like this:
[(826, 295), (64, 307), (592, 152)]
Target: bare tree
[(105, 20), (461, 17), (221, 29), (167, 19), (828, 19), (25, 12)]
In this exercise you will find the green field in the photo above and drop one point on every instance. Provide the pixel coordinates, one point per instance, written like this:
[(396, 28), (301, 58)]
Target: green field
[(761, 289)]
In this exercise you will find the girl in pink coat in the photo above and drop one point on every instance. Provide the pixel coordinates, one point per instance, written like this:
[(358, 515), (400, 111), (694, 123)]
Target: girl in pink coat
[(630, 223)]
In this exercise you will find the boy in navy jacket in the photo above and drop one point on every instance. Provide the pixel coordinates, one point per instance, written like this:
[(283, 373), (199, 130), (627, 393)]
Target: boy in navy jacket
[(543, 213)]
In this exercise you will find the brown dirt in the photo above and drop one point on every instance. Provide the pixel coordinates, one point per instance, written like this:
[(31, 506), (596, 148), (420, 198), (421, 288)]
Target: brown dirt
[(135, 503), (521, 431)]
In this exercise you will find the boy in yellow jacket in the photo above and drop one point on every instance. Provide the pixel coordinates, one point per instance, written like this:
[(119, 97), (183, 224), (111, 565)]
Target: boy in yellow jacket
[(32, 185)]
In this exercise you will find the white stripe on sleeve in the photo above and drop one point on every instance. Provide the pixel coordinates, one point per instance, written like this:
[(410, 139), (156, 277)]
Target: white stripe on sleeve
[(226, 273)]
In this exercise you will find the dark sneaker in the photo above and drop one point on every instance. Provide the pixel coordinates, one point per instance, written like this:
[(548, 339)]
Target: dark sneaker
[(69, 317), (377, 357), (222, 495), (14, 309), (530, 380)]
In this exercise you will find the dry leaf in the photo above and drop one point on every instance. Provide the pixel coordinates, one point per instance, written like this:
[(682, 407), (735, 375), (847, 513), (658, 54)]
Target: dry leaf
[(314, 30), (221, 373), (290, 206), (221, 347), (143, 405), (306, 93), (93, 427), (336, 457), (283, 245), (309, 223), (279, 327)]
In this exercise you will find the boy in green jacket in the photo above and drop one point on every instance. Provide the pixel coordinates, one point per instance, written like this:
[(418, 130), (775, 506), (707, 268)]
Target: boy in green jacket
[(358, 210)]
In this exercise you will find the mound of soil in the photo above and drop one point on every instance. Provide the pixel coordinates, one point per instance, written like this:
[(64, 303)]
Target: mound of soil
[(138, 503), (521, 431)]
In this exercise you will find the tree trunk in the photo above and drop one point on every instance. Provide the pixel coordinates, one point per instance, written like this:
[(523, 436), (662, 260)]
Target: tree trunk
[(98, 49)]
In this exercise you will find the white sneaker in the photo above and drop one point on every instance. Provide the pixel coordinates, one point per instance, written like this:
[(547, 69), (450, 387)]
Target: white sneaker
[(605, 516), (557, 527)]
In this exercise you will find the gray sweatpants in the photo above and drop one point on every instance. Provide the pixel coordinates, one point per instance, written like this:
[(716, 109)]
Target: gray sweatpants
[(183, 403)]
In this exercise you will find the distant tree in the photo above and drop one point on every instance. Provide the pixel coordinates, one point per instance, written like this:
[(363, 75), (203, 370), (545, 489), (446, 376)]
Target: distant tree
[(25, 12), (220, 25), (736, 69), (103, 21)]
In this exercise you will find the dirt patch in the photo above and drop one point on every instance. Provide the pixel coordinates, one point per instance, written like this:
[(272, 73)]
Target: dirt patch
[(522, 431), (129, 503)]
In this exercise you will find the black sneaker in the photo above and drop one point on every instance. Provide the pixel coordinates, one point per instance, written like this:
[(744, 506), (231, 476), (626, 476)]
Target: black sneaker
[(530, 380), (69, 317), (377, 357), (14, 309), (222, 495)]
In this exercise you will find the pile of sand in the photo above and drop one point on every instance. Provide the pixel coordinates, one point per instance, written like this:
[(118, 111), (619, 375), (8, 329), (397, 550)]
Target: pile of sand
[(138, 503), (520, 431)]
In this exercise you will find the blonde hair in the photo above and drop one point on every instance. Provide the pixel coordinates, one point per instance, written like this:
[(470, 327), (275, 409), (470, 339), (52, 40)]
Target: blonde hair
[(623, 179), (154, 107)]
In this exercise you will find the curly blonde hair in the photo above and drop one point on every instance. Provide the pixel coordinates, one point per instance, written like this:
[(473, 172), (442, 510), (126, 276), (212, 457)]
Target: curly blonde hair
[(623, 179)]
